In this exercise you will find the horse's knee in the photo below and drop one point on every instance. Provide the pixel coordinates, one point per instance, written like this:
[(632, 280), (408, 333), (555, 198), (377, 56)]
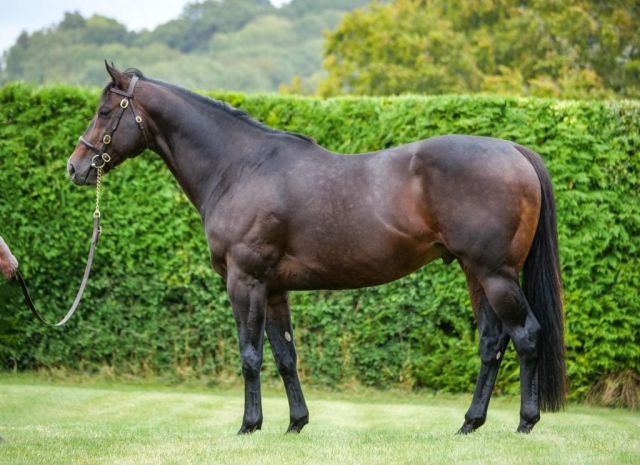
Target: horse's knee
[(287, 368), (251, 363), (286, 363)]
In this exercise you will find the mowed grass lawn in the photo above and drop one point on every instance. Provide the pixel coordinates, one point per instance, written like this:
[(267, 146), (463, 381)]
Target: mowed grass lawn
[(60, 423)]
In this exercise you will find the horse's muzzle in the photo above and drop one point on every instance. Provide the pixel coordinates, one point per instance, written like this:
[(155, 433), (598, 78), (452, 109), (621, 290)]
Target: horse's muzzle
[(80, 178)]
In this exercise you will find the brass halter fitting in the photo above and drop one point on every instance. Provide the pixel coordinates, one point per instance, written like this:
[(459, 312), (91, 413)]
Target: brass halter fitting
[(104, 158)]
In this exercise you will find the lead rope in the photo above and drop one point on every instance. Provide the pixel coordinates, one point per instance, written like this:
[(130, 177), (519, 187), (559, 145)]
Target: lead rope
[(96, 213), (97, 230)]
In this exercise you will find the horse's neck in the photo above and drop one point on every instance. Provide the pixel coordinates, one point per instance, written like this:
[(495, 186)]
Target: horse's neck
[(200, 149)]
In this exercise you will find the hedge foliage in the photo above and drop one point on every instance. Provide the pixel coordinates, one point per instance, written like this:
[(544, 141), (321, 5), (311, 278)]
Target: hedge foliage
[(154, 306)]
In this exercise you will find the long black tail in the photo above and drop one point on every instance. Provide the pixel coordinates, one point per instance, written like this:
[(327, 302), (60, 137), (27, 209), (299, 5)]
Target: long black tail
[(542, 286)]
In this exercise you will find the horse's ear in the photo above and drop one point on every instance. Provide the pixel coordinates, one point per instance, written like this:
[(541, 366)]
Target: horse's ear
[(118, 78)]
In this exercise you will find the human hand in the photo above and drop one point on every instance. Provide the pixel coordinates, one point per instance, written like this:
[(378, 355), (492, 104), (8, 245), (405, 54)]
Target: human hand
[(8, 263)]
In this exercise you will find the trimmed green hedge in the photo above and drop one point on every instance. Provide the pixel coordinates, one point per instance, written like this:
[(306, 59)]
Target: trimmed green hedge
[(154, 306)]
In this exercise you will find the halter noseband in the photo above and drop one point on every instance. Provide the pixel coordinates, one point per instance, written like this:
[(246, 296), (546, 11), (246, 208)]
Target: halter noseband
[(101, 154)]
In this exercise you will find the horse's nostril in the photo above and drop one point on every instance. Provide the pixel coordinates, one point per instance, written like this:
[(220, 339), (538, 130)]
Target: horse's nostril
[(71, 169)]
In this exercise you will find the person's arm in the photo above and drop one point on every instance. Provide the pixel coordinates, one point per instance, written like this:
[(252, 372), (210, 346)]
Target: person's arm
[(8, 263)]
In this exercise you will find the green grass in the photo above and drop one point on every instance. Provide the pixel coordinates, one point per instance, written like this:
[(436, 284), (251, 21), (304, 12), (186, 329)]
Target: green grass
[(46, 422)]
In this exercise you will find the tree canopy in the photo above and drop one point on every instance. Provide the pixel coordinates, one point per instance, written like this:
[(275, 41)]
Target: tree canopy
[(244, 45), (568, 49), (547, 48)]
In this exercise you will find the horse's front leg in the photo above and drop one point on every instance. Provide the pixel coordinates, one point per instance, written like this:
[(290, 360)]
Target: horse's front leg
[(248, 299), (280, 335)]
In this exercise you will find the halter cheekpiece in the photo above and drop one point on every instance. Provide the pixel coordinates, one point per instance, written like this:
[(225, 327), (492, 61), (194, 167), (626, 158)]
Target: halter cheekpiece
[(102, 157)]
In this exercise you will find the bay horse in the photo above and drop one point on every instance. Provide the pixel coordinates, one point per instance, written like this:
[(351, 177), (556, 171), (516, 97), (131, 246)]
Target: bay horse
[(282, 213)]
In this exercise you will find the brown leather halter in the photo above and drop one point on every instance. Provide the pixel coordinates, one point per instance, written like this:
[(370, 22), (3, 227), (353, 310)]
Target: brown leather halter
[(101, 155)]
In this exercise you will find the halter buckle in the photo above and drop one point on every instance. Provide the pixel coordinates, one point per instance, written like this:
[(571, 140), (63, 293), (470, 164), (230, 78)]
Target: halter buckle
[(124, 103), (138, 119), (106, 140)]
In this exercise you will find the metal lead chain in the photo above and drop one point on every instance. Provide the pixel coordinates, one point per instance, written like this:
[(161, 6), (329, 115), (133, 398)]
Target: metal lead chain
[(96, 213)]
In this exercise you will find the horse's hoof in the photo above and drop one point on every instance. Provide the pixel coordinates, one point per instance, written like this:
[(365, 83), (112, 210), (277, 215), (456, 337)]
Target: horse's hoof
[(466, 429), (525, 427), (248, 429), (296, 425), (470, 426)]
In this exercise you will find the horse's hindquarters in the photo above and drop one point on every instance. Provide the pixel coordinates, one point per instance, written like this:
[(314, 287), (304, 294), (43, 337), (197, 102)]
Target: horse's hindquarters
[(485, 198)]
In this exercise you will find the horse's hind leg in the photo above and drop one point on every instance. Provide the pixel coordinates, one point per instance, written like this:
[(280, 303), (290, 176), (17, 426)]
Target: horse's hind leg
[(493, 343), (508, 301), (280, 335)]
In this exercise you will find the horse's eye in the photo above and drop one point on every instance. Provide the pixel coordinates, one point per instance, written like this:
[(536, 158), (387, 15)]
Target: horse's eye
[(104, 112)]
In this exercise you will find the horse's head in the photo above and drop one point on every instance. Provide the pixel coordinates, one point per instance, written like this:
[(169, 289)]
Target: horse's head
[(116, 132)]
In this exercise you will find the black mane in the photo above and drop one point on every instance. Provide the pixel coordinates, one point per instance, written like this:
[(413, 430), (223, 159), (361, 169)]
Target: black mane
[(218, 104)]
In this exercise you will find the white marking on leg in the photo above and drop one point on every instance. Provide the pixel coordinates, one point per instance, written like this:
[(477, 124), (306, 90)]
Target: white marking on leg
[(287, 336)]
